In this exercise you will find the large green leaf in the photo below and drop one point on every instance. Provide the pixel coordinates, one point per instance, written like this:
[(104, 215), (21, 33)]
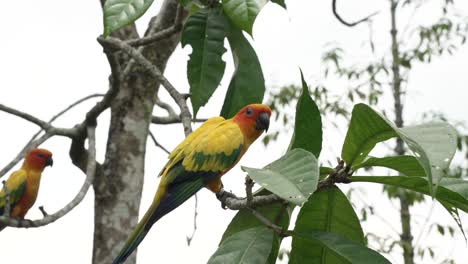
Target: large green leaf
[(243, 220), (242, 13), (433, 144), (247, 85), (308, 123), (205, 32), (119, 13), (247, 246), (347, 251), (408, 165), (366, 129), (327, 210), (293, 177), (451, 191)]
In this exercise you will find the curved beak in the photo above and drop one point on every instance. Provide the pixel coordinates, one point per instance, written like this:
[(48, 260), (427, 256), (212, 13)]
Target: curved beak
[(263, 121), (49, 162)]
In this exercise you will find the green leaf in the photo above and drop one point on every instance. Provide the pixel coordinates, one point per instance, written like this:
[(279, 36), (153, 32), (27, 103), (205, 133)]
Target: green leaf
[(242, 13), (282, 3), (293, 177), (308, 123), (247, 85), (325, 171), (451, 191), (120, 13), (433, 144), (205, 32), (366, 129), (345, 250), (327, 210), (248, 246), (244, 220), (408, 165)]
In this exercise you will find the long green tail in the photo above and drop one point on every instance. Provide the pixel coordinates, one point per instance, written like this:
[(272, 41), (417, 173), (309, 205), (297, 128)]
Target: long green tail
[(177, 193)]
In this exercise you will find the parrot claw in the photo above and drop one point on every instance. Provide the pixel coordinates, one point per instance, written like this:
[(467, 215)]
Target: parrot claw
[(223, 195)]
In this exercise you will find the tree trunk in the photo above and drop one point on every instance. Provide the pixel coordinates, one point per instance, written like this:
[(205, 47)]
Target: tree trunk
[(118, 188), (406, 238)]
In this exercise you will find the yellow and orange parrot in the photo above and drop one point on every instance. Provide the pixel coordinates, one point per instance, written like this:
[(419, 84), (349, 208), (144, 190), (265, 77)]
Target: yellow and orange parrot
[(200, 161), (23, 184)]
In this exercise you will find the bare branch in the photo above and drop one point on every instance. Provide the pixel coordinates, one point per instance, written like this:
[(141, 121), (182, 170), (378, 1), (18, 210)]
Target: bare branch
[(185, 114), (32, 143), (165, 120), (157, 143), (42, 124), (350, 24), (235, 203), (195, 214), (163, 34), (43, 211), (165, 106), (279, 230), (90, 172)]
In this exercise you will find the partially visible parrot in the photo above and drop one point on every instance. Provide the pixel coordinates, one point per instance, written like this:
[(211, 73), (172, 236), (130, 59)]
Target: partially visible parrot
[(23, 184), (200, 161)]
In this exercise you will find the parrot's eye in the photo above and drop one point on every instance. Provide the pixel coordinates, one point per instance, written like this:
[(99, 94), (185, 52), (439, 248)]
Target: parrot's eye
[(40, 155), (249, 111)]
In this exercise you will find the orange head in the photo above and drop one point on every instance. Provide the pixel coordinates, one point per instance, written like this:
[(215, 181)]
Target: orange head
[(38, 159), (253, 119)]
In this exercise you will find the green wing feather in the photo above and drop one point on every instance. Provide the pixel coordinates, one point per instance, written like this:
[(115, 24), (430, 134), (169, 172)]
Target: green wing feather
[(207, 153), (16, 185)]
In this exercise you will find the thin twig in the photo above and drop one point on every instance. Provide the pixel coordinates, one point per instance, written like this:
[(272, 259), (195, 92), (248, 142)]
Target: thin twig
[(90, 172), (165, 106), (195, 214), (42, 124), (43, 211), (279, 230), (157, 143), (6, 208), (350, 24), (249, 183)]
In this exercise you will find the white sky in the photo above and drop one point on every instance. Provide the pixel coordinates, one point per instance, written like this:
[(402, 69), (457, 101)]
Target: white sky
[(50, 58)]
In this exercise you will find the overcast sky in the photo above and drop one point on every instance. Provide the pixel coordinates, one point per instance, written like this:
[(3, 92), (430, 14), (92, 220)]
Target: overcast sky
[(50, 58)]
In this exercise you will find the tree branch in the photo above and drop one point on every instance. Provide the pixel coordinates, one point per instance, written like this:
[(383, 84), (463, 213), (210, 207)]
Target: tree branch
[(90, 172), (350, 24), (165, 120), (340, 174), (185, 115)]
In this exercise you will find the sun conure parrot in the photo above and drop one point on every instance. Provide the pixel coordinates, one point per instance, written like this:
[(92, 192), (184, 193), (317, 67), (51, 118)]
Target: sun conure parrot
[(200, 161), (23, 184)]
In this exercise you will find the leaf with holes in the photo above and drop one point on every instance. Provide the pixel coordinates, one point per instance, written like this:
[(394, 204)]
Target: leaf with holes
[(247, 85), (242, 13), (327, 210), (293, 177), (120, 13), (433, 144), (205, 32)]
